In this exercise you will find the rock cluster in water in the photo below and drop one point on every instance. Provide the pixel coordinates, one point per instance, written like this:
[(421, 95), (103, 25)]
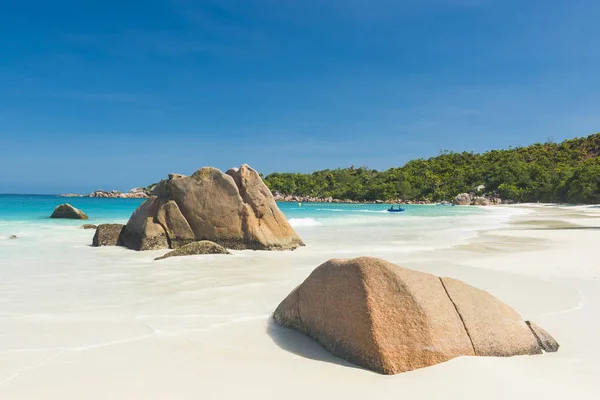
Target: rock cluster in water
[(390, 319), (68, 211), (135, 193), (235, 210)]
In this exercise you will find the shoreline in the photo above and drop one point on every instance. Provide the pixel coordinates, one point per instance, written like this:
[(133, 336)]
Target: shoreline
[(296, 199)]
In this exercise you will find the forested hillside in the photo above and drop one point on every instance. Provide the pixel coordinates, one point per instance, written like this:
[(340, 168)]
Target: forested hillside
[(549, 172)]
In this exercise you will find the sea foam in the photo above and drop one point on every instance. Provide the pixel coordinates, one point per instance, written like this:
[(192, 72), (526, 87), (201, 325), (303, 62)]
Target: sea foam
[(295, 222)]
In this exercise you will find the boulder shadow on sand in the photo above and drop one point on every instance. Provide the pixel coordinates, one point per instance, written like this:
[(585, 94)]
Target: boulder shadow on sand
[(302, 345)]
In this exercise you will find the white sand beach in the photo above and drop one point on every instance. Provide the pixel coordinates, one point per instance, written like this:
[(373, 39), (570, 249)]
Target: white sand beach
[(107, 323)]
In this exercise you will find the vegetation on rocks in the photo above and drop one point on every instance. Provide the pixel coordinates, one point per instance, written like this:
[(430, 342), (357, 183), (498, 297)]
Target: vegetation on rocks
[(546, 172)]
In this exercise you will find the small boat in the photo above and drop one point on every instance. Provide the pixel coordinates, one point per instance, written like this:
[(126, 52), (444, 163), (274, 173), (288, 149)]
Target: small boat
[(399, 209)]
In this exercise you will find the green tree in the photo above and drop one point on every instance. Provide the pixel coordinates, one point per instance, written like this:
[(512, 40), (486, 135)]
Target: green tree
[(548, 172)]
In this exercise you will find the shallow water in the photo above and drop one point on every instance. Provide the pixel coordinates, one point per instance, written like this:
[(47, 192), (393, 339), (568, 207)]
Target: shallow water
[(37, 208), (328, 229)]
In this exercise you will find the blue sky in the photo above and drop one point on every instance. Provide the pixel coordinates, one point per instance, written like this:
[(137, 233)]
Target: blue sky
[(113, 94)]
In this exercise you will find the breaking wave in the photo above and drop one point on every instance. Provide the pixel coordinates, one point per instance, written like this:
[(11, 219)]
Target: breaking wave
[(295, 222)]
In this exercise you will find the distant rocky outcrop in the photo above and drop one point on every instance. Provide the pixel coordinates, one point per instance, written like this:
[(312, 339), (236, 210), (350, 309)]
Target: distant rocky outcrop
[(390, 319), (234, 209), (12, 237), (135, 193), (89, 226), (104, 194), (463, 199), (68, 211), (485, 201), (107, 235), (309, 199), (196, 248), (480, 201), (466, 199)]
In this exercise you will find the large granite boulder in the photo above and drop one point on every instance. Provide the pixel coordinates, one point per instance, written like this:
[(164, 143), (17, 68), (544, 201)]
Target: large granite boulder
[(390, 319), (143, 232), (107, 235), (196, 248), (235, 210), (176, 226), (68, 211), (495, 329), (463, 199), (135, 193), (263, 224)]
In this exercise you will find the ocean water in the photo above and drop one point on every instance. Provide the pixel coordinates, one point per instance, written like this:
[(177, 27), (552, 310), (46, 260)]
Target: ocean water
[(336, 225), (35, 210), (329, 225)]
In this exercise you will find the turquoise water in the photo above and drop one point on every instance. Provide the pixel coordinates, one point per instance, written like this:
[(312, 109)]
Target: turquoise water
[(37, 208), (323, 211), (328, 226)]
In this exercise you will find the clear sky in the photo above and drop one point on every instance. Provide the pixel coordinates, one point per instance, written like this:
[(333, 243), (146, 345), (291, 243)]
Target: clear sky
[(113, 94)]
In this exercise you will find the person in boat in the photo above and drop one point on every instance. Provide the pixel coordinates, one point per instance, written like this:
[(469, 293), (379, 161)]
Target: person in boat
[(392, 208)]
